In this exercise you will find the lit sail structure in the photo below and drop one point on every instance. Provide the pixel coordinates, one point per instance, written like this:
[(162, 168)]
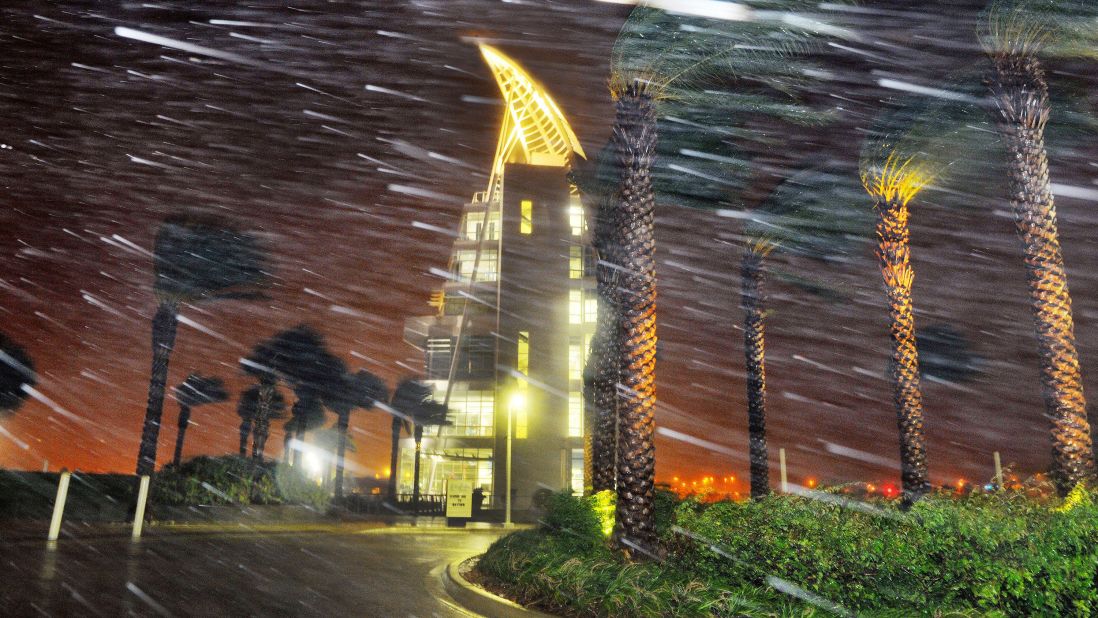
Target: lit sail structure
[(507, 344)]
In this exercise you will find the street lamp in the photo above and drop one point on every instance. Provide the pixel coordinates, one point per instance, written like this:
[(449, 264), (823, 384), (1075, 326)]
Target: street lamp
[(516, 401)]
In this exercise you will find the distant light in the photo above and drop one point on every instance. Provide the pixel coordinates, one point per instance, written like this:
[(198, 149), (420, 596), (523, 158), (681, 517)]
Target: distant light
[(811, 483)]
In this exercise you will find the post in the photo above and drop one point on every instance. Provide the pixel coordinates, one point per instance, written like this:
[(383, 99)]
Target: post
[(998, 471), (45, 465), (59, 505), (781, 463), (139, 512), (507, 497)]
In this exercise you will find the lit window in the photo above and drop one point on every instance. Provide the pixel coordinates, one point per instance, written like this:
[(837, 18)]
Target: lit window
[(521, 423), (575, 362), (471, 412), (575, 219), (473, 223), (591, 309), (575, 262), (522, 361), (577, 472), (575, 414), (575, 306), (465, 260), (526, 225)]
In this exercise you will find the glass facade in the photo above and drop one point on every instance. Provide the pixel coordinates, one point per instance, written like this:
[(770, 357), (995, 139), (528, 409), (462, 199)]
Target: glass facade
[(472, 412), (473, 222), (465, 260), (577, 472)]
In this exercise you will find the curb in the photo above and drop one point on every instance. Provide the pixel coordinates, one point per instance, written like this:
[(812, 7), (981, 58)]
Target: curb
[(479, 600)]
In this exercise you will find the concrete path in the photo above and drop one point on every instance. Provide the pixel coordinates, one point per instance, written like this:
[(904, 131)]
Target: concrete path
[(337, 570)]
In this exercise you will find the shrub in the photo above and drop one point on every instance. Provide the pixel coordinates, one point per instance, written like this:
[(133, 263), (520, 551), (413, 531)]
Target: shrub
[(233, 480), (573, 517)]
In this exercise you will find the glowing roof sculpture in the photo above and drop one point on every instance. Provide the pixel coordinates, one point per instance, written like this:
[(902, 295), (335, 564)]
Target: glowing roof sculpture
[(534, 130)]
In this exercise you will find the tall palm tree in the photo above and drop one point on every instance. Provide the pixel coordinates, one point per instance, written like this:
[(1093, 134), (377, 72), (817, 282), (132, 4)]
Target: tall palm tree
[(754, 349), (357, 390), (1018, 33), (414, 401), (16, 373), (196, 390), (195, 258), (409, 393), (893, 179), (258, 406), (301, 357), (262, 363), (663, 59)]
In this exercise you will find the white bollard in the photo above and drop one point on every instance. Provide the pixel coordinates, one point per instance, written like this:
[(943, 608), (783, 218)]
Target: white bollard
[(59, 505), (998, 471), (781, 463), (139, 512), (46, 465)]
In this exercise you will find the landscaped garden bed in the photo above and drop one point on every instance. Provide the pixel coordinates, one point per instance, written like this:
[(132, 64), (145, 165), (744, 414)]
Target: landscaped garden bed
[(1009, 553)]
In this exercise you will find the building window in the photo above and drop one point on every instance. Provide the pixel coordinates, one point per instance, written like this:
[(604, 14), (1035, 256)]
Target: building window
[(474, 221), (476, 358), (575, 414), (438, 358), (575, 262), (591, 309), (465, 260), (522, 357), (577, 472), (469, 464), (575, 306), (576, 218), (575, 361), (526, 224), (471, 412)]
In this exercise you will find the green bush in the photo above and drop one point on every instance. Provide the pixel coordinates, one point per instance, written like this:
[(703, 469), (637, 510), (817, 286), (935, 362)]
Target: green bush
[(1002, 554), (234, 480), (572, 517)]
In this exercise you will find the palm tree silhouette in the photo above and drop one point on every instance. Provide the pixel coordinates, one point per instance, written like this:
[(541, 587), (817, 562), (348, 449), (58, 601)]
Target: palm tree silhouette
[(195, 258), (256, 411), (196, 390), (358, 390), (407, 394), (1018, 33), (413, 401), (16, 374)]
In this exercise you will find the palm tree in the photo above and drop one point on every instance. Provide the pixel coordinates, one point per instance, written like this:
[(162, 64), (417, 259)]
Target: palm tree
[(754, 349), (301, 357), (408, 393), (196, 390), (16, 374), (414, 402), (893, 179), (195, 258), (1018, 33), (358, 390), (258, 406), (662, 59)]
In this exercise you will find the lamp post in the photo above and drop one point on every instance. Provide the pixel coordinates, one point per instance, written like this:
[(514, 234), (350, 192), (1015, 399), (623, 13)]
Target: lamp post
[(518, 398)]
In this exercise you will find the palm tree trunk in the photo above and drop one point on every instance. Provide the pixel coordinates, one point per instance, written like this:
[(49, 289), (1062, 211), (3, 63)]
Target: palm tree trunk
[(184, 421), (393, 453), (635, 138), (894, 252), (299, 435), (287, 437), (415, 475), (245, 431), (754, 349), (263, 418), (344, 422), (602, 374), (1021, 93), (164, 326)]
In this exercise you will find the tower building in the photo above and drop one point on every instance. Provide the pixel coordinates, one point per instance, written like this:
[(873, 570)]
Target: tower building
[(514, 317)]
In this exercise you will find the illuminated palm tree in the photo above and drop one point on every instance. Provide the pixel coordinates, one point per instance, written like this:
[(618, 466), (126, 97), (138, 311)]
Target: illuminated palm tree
[(663, 59), (893, 180), (1018, 33), (407, 394), (195, 258), (196, 390), (16, 374), (357, 390), (754, 350)]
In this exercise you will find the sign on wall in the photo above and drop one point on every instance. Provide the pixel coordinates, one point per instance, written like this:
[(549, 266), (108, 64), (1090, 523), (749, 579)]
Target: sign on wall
[(459, 498)]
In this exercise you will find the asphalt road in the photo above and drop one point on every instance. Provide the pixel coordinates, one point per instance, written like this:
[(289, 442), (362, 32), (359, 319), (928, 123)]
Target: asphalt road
[(335, 571)]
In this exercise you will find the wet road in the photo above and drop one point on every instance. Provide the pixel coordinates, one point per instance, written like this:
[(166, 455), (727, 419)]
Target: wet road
[(341, 571)]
